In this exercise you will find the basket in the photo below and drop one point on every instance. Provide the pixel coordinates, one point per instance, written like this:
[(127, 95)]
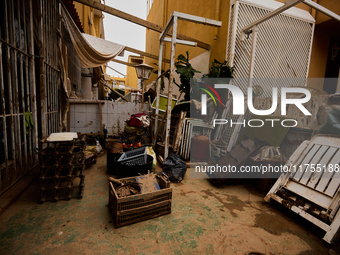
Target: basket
[(136, 153), (132, 209), (133, 166)]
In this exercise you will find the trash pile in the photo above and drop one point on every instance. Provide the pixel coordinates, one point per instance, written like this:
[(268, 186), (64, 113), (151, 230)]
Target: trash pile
[(142, 184), (136, 131)]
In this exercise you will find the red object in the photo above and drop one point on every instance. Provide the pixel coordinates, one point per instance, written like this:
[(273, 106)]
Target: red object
[(200, 148), (133, 121)]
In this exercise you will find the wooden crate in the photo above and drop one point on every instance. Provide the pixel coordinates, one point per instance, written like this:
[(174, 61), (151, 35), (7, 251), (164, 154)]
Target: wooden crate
[(132, 209)]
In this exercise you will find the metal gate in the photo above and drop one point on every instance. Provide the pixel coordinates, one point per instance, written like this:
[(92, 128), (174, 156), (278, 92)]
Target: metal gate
[(21, 117), (283, 49)]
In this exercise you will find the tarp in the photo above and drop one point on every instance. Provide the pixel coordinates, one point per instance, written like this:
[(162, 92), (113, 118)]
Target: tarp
[(92, 51)]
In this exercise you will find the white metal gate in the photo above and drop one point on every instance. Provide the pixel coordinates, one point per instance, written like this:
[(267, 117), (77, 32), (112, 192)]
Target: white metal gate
[(283, 48)]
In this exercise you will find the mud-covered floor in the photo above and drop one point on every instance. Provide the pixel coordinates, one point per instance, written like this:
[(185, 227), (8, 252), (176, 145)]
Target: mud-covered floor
[(205, 220)]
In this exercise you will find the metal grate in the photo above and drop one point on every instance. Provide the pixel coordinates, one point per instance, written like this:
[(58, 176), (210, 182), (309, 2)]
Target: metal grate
[(283, 51)]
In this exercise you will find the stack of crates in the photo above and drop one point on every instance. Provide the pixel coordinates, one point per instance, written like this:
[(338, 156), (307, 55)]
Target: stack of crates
[(62, 166)]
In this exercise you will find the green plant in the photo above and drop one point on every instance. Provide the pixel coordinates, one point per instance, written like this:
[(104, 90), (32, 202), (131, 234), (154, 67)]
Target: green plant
[(186, 72), (220, 70)]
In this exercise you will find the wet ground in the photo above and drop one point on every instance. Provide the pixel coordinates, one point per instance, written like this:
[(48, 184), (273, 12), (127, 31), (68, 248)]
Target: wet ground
[(205, 219)]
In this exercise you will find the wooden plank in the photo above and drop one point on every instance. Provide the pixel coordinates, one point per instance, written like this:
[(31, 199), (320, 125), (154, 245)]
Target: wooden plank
[(142, 53), (327, 175), (159, 129), (300, 167), (333, 229), (323, 162), (334, 184), (171, 85), (284, 178), (315, 160), (197, 19), (69, 117), (100, 118), (318, 198), (144, 208), (179, 131), (123, 62), (138, 21)]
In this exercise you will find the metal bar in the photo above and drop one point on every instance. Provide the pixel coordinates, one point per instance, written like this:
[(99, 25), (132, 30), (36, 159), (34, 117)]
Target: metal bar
[(197, 19), (15, 48), (286, 6), (322, 9), (32, 82), (2, 87), (42, 92), (143, 91), (10, 84), (232, 41), (23, 163), (252, 55), (189, 43), (3, 100), (171, 84), (158, 88), (21, 40), (27, 96)]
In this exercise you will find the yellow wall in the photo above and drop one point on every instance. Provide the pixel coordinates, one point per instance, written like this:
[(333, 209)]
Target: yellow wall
[(217, 37), (92, 21), (131, 75)]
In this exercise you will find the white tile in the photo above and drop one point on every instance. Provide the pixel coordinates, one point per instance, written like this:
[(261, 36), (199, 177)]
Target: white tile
[(79, 120), (92, 119), (79, 108), (92, 108)]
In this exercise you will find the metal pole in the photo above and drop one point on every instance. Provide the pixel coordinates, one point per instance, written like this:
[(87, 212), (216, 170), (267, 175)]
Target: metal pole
[(322, 9), (252, 55), (171, 84), (158, 88), (142, 104)]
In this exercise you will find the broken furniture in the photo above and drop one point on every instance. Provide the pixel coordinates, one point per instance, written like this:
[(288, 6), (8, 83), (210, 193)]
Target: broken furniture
[(311, 187), (190, 128), (172, 23), (62, 164), (136, 208)]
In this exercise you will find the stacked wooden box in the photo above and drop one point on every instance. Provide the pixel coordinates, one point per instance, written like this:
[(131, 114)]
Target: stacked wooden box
[(62, 166)]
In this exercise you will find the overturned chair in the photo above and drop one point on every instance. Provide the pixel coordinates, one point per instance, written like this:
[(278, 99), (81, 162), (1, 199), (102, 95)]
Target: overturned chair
[(311, 187)]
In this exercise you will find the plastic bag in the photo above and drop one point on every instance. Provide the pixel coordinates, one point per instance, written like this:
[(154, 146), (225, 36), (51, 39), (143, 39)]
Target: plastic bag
[(175, 167), (151, 152), (99, 147)]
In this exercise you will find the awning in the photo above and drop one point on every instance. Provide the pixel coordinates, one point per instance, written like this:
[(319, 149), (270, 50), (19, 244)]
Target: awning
[(92, 51)]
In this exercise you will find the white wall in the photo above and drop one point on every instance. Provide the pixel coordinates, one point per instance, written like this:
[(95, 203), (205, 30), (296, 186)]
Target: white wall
[(84, 118)]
